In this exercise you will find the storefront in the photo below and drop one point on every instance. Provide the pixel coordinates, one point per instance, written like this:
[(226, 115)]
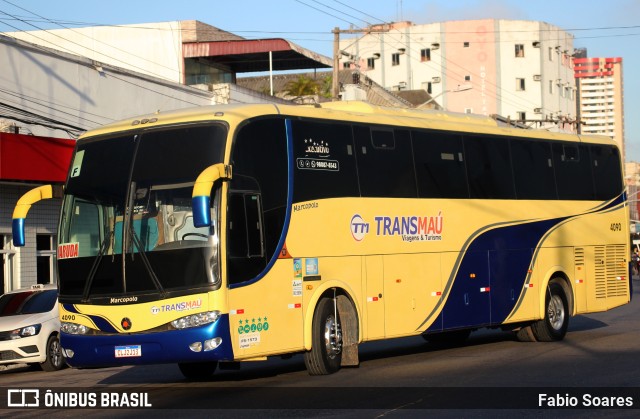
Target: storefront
[(27, 161)]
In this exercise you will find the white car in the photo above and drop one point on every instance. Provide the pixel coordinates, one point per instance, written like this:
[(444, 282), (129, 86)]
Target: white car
[(30, 328)]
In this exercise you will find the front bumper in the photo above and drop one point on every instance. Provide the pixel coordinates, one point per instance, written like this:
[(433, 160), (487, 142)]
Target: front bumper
[(91, 351), (24, 350)]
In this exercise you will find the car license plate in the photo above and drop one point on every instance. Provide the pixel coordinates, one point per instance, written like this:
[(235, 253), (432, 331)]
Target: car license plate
[(128, 351)]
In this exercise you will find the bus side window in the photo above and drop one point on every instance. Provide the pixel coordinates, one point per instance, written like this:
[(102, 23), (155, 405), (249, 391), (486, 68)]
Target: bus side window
[(533, 169), (573, 171), (606, 171), (489, 167), (439, 162), (385, 164)]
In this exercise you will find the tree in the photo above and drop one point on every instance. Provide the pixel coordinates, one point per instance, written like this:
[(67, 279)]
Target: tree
[(302, 86)]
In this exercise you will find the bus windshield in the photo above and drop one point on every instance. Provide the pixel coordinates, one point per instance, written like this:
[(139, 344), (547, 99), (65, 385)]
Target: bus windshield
[(127, 224)]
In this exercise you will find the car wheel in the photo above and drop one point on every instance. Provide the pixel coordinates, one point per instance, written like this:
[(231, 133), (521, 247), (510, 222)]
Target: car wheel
[(55, 359)]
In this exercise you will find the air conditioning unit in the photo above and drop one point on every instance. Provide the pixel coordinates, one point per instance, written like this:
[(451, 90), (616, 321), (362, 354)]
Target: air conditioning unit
[(537, 110), (436, 79), (537, 77), (435, 46)]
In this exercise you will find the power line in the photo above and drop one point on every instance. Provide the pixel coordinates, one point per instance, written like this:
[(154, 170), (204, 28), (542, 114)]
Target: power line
[(326, 13)]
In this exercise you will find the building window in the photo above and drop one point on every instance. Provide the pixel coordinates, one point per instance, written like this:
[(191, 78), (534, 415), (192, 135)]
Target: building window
[(346, 65), (551, 86), (520, 84), (519, 50), (425, 54), (45, 258), (6, 263), (371, 63), (550, 54), (522, 116), (395, 58), (467, 78), (468, 110), (465, 45), (427, 86)]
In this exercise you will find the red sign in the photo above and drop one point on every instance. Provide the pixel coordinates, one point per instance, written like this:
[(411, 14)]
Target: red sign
[(68, 250)]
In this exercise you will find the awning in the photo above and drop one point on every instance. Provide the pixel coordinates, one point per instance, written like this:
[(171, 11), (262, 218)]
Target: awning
[(31, 158), (243, 56)]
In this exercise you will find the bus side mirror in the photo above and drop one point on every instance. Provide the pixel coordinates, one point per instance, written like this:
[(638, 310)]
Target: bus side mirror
[(24, 205), (201, 196)]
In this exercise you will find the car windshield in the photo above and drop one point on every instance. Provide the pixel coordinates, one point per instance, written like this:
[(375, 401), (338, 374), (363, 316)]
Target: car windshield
[(127, 224), (27, 302)]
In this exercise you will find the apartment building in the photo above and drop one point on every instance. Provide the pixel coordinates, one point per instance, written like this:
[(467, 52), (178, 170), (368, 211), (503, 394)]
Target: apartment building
[(600, 96), (517, 69)]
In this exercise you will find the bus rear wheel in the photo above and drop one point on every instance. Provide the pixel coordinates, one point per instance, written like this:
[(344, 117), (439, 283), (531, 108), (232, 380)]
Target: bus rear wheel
[(197, 370), (325, 355), (556, 317)]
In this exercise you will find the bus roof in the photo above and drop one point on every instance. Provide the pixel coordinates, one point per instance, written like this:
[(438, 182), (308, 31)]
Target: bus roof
[(347, 111)]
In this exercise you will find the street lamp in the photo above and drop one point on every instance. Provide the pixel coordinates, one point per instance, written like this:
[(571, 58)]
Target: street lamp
[(460, 88)]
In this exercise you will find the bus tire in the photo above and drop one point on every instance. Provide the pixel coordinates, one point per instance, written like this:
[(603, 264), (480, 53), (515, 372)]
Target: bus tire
[(325, 355), (556, 315), (55, 359), (197, 370)]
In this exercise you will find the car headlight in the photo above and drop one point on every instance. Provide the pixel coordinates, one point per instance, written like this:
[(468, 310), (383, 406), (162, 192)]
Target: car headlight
[(196, 320), (24, 332), (73, 328)]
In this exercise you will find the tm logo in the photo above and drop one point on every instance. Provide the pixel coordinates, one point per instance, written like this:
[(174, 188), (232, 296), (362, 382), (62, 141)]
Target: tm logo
[(359, 228)]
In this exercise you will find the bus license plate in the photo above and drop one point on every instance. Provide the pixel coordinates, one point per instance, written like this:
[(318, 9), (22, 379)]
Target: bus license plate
[(128, 351)]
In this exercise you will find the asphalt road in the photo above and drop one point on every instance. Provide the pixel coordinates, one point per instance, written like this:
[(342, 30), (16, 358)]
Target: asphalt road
[(492, 375)]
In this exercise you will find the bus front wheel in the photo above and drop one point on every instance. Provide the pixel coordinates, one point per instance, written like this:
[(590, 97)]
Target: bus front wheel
[(556, 317), (197, 370), (325, 355)]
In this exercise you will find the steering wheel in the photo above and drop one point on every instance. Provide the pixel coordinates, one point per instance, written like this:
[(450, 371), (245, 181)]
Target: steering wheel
[(193, 234)]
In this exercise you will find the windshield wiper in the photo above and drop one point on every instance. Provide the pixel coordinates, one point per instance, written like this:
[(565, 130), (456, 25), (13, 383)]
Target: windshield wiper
[(146, 263), (94, 268)]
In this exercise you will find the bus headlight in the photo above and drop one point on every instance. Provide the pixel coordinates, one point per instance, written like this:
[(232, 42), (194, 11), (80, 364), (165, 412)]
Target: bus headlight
[(196, 320), (73, 328)]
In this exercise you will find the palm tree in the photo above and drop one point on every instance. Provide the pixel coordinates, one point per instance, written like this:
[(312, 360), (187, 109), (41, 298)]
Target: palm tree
[(302, 86)]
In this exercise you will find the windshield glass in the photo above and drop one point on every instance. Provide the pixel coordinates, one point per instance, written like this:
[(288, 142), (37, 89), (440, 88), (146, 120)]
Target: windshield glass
[(28, 302), (127, 224)]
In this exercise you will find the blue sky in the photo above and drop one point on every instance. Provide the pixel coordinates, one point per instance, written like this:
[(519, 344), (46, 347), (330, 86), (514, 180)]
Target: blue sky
[(608, 28)]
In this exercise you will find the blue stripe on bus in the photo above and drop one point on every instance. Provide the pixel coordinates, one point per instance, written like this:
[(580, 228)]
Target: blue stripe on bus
[(70, 308), (100, 322), (504, 254), (492, 275), (157, 348)]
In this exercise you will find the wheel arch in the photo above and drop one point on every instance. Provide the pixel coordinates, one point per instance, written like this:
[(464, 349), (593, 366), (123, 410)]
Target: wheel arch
[(349, 314), (558, 275)]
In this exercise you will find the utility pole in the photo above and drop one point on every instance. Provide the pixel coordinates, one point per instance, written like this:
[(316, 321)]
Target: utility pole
[(335, 86)]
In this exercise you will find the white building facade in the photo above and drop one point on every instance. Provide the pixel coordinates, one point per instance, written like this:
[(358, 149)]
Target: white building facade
[(518, 69)]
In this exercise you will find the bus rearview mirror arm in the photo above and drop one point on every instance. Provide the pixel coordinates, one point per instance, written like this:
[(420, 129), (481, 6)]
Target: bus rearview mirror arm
[(201, 196), (24, 205)]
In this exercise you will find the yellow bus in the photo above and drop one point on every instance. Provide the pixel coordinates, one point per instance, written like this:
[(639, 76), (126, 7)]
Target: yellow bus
[(221, 234)]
